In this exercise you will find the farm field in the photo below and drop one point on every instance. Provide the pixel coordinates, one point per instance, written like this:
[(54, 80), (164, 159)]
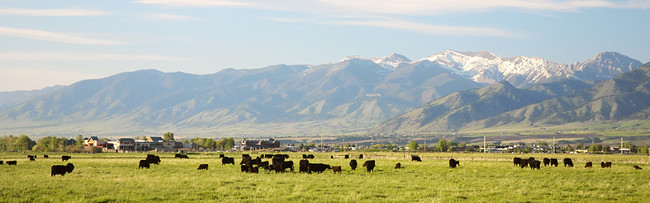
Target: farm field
[(111, 177)]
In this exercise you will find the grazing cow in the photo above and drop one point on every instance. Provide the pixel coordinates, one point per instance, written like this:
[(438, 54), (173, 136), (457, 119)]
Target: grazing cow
[(523, 163), (1, 163), (181, 156), (637, 167), (65, 158), (588, 165), (453, 163), (567, 162), (267, 156), (245, 161), (264, 165), (310, 156), (227, 160), (46, 156), (605, 165), (370, 165), (243, 168), (332, 157), (554, 162), (416, 158), (9, 163), (32, 158), (534, 164), (318, 168), (547, 161), (347, 156), (353, 164), (517, 161), (256, 161), (254, 169), (143, 164), (282, 166), (398, 165), (336, 169), (304, 156), (153, 159), (202, 167), (303, 166), (245, 155), (61, 169), (360, 156), (221, 156)]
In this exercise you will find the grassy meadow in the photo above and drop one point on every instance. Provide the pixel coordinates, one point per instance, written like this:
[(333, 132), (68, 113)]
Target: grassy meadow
[(111, 177)]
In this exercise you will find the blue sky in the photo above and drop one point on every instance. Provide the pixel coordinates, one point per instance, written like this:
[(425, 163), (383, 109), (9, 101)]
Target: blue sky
[(54, 42)]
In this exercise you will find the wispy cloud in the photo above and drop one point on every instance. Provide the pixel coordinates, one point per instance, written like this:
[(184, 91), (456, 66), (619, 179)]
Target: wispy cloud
[(196, 3), (55, 37), (67, 56), (430, 29), (51, 12), (163, 16)]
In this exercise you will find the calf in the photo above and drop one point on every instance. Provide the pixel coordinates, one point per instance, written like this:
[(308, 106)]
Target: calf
[(336, 169), (353, 164), (554, 162), (453, 163), (227, 160), (65, 158), (416, 158), (398, 166), (546, 162), (203, 167), (12, 163), (588, 165), (637, 167), (143, 164), (370, 165), (567, 162)]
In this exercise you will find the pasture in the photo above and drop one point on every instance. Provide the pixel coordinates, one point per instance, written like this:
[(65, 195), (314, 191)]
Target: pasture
[(111, 177)]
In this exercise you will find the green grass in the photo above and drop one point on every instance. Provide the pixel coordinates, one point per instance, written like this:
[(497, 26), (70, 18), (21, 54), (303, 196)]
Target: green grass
[(111, 177)]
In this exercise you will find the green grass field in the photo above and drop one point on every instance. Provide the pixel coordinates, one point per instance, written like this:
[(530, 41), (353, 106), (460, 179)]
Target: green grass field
[(111, 177)]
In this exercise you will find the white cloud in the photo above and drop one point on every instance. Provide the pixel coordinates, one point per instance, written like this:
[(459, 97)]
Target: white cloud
[(163, 16), (195, 3), (51, 12), (13, 79), (55, 37), (430, 29), (66, 56)]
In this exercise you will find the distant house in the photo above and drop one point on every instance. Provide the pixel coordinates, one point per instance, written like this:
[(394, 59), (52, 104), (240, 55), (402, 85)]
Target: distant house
[(259, 144), (155, 139), (125, 144), (95, 142)]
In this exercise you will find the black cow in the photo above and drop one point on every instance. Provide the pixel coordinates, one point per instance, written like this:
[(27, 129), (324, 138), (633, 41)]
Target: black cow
[(202, 167), (605, 165), (254, 169), (181, 156), (303, 166), (416, 158), (637, 167), (143, 164), (12, 163), (453, 163), (243, 168), (370, 165), (32, 158), (283, 156), (221, 156), (347, 156), (318, 168), (1, 162), (353, 164), (554, 162), (245, 155), (588, 165), (517, 161), (360, 156), (246, 161), (534, 164), (264, 165), (523, 163), (398, 165), (61, 169), (310, 156), (547, 161), (227, 160), (46, 156), (282, 166), (304, 156), (65, 158), (153, 159), (332, 157), (567, 162)]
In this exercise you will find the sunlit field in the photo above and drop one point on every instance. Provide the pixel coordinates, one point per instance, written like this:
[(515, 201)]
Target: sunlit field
[(111, 177)]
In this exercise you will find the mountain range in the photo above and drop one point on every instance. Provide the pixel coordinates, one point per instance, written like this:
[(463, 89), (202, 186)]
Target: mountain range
[(626, 97), (351, 95)]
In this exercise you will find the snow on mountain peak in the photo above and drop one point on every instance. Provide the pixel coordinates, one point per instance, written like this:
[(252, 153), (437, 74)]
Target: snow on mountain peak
[(392, 61)]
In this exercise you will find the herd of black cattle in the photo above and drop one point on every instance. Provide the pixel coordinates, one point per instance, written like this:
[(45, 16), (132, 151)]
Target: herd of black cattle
[(279, 163)]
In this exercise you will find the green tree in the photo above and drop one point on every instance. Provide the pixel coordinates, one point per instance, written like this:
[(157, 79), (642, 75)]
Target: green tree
[(580, 146), (23, 143), (413, 146), (169, 136), (80, 140), (595, 148), (442, 145), (643, 149)]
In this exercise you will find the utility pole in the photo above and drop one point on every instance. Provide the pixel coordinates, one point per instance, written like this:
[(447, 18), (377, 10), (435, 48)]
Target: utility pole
[(621, 148), (425, 143), (553, 145), (484, 145)]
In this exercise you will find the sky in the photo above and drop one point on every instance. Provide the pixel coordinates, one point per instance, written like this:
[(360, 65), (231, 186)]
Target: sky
[(55, 42)]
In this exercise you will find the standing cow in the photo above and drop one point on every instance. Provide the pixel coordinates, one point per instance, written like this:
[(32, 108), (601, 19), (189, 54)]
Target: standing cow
[(227, 160), (416, 158), (517, 161), (353, 164), (588, 165), (547, 161), (9, 163), (606, 165), (370, 165), (398, 165), (203, 167), (303, 166), (65, 158), (534, 164), (143, 164), (453, 163), (554, 162), (567, 162), (61, 169), (336, 169)]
